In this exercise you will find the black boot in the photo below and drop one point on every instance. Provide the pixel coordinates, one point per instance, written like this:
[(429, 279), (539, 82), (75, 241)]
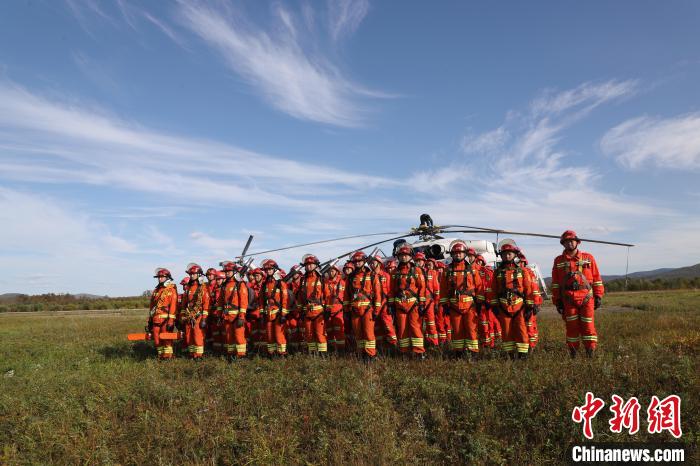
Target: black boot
[(590, 352), (572, 353), (522, 355)]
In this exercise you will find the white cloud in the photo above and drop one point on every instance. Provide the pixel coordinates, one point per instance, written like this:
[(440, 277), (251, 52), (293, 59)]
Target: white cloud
[(57, 141), (290, 77), (485, 143), (672, 143), (345, 16)]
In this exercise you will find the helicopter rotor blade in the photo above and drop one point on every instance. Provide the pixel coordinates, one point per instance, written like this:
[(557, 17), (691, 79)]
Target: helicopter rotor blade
[(247, 245), (319, 242), (540, 235), (371, 245)]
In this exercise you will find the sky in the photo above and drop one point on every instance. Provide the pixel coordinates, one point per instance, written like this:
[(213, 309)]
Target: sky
[(136, 135)]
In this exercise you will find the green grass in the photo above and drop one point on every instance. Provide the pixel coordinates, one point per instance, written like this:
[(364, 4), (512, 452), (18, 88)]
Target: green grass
[(82, 394)]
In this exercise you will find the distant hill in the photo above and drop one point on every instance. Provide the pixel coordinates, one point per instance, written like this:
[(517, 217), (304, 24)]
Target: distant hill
[(691, 271)]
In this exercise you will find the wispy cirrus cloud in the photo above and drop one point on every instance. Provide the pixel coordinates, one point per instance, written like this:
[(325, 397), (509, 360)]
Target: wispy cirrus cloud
[(77, 143), (345, 16), (667, 143), (292, 77)]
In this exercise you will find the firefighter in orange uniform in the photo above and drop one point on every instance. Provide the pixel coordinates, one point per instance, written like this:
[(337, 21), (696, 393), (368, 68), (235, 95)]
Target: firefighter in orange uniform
[(233, 302), (295, 327), (163, 312), (462, 296), (441, 268), (433, 269), (407, 296), (384, 329), (532, 331), (577, 291), (255, 325), (195, 309), (348, 270), (212, 333), (432, 297), (511, 298), (309, 305), (273, 302), (490, 327), (364, 301), (333, 298)]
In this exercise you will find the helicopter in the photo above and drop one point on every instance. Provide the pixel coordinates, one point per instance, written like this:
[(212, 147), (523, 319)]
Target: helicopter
[(429, 239)]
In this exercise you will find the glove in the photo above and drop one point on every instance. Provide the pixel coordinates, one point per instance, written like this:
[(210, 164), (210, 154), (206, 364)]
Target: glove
[(169, 327), (326, 314), (496, 310), (178, 325), (421, 311), (203, 324), (375, 314), (148, 327), (446, 310), (283, 320), (528, 313), (560, 308), (240, 322), (535, 310), (598, 300)]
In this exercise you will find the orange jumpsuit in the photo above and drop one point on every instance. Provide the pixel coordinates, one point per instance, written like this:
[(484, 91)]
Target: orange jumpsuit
[(254, 333), (384, 328), (333, 296), (510, 292), (309, 304), (295, 327), (461, 293), (347, 315), (233, 301), (195, 308), (163, 313), (214, 334), (273, 302), (432, 297), (575, 282), (364, 299), (407, 296), (532, 331), (486, 330)]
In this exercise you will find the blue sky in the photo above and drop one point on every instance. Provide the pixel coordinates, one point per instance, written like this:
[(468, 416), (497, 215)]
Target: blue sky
[(143, 134)]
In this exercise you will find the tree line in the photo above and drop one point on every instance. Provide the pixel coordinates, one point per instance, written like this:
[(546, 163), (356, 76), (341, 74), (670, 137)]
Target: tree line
[(68, 302)]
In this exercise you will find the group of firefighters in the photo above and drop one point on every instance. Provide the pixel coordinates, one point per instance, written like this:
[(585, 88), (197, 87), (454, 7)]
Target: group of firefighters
[(400, 305)]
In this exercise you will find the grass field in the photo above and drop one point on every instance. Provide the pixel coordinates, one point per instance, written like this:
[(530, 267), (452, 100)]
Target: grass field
[(74, 391)]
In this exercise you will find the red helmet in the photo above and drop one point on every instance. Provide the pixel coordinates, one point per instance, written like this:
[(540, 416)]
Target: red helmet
[(458, 246), (471, 251), (310, 259), (228, 266), (160, 272), (269, 264), (480, 258), (509, 247), (440, 264), (568, 234), (431, 261), (358, 256), (257, 271), (185, 281), (349, 265), (282, 273), (523, 259), (211, 270), (220, 275), (405, 248), (193, 268), (391, 264), (419, 256)]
